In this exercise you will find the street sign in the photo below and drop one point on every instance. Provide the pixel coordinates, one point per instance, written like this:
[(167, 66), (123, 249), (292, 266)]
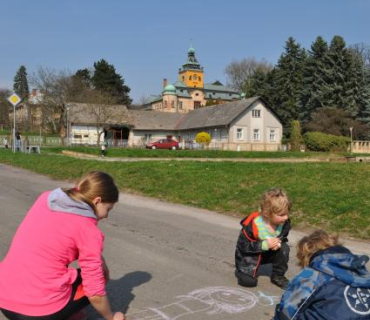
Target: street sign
[(14, 99)]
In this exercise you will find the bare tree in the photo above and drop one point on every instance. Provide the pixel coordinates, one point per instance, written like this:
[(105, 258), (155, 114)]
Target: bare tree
[(56, 88), (238, 72), (362, 50), (101, 109), (4, 107)]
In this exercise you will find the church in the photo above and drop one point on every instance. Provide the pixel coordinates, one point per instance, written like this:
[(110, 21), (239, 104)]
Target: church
[(190, 92)]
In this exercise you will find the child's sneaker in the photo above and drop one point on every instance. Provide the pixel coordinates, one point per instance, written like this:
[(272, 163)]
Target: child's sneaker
[(280, 281)]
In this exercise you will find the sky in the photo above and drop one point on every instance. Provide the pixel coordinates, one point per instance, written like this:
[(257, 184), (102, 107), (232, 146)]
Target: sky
[(147, 40)]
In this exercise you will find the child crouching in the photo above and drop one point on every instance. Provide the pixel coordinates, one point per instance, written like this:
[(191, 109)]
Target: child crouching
[(333, 284), (262, 240)]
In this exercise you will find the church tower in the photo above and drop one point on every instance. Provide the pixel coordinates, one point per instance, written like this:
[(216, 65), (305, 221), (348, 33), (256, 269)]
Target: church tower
[(191, 72)]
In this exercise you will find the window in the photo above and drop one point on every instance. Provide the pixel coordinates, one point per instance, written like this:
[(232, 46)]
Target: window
[(239, 134), (183, 78), (190, 78), (180, 104), (165, 104), (173, 104), (256, 134), (199, 78), (77, 136), (197, 94), (256, 113), (273, 135)]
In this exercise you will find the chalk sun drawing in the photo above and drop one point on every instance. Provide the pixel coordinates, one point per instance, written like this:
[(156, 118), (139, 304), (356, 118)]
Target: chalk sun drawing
[(209, 300)]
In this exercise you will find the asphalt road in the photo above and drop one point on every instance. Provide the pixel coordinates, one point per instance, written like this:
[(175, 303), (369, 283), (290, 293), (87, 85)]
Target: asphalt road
[(167, 261)]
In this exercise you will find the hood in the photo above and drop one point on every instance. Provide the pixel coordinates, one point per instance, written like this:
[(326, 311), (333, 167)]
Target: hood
[(59, 201), (341, 264)]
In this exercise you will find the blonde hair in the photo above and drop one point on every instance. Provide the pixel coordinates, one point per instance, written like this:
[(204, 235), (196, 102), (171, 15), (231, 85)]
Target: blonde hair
[(92, 185), (274, 201), (316, 241)]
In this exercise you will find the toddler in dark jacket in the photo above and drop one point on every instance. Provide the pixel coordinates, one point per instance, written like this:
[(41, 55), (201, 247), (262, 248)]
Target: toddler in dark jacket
[(263, 241), (334, 284)]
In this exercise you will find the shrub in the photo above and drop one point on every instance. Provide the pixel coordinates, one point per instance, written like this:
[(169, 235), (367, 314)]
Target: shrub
[(295, 136), (203, 137), (318, 141)]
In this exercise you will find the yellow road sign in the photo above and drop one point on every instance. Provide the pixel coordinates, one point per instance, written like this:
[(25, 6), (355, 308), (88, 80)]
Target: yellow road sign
[(14, 99)]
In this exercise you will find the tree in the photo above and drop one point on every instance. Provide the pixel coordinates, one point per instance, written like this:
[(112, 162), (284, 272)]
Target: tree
[(58, 89), (313, 79), (106, 79), (240, 72), (98, 105), (288, 79), (337, 122), (295, 136), (338, 71), (21, 83), (4, 107)]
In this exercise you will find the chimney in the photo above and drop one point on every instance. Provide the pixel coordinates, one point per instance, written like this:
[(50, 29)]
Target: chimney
[(164, 82)]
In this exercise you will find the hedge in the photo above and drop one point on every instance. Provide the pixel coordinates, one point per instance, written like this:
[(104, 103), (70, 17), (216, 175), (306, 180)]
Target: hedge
[(318, 141)]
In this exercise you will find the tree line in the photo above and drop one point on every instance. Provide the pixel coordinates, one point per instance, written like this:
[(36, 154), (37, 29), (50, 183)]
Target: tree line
[(326, 88), (99, 86)]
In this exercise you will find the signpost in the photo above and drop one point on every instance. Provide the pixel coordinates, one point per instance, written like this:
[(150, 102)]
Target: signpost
[(14, 99)]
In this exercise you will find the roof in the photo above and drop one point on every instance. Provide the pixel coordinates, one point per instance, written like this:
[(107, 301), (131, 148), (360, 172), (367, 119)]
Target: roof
[(83, 113), (215, 116), (154, 120)]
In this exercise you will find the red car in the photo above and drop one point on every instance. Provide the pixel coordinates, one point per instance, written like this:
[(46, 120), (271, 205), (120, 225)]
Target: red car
[(163, 144)]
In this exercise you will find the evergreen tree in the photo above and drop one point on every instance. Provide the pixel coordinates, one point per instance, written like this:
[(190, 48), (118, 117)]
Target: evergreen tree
[(288, 81), (21, 83), (313, 79), (338, 90), (84, 75), (362, 91), (295, 136), (107, 80)]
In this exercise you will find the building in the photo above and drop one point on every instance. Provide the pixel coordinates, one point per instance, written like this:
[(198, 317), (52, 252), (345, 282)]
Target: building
[(243, 125), (190, 92)]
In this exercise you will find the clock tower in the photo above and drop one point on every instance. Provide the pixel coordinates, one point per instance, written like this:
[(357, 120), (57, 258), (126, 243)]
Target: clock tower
[(191, 73)]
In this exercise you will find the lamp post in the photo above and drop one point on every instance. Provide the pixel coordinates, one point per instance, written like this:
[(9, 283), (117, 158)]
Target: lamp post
[(215, 138), (67, 108), (350, 130)]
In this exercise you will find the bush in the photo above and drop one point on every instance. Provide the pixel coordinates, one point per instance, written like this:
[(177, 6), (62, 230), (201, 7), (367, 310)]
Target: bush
[(295, 136), (203, 137), (318, 141)]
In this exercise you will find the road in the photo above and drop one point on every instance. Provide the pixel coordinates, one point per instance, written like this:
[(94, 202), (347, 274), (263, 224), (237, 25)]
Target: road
[(167, 261)]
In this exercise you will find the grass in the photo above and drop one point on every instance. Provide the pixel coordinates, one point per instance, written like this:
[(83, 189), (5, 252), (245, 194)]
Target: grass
[(138, 153), (333, 196)]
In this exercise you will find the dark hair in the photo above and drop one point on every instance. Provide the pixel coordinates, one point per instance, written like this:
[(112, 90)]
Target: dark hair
[(92, 185)]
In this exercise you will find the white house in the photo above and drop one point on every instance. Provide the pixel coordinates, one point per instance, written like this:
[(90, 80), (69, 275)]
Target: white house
[(247, 124)]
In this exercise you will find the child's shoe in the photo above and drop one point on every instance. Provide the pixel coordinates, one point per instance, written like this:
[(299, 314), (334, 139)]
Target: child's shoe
[(280, 281)]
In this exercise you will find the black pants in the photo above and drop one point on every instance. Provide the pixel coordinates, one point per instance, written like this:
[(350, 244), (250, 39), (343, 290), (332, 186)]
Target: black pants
[(277, 258), (72, 307)]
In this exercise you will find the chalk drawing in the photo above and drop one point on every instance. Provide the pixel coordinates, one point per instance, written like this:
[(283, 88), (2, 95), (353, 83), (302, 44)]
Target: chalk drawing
[(210, 300)]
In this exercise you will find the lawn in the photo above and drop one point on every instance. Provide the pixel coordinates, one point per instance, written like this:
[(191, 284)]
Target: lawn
[(333, 196), (138, 153)]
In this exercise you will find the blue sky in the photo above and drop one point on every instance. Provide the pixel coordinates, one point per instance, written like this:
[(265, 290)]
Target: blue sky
[(147, 40)]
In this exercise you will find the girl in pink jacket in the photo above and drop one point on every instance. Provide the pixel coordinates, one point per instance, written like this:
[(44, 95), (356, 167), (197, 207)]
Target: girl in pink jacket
[(36, 281)]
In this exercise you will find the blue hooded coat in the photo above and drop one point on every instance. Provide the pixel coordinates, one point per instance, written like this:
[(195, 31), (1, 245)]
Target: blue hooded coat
[(335, 285)]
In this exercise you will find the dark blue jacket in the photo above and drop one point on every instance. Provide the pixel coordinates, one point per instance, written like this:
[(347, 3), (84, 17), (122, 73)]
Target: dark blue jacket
[(335, 285)]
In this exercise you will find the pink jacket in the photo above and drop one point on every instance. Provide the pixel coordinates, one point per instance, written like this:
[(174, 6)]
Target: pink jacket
[(35, 277)]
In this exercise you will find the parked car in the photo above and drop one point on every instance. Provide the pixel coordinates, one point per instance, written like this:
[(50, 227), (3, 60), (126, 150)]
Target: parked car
[(163, 144)]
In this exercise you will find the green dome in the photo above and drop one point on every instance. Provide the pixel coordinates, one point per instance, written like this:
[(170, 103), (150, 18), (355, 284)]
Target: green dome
[(191, 50), (169, 89)]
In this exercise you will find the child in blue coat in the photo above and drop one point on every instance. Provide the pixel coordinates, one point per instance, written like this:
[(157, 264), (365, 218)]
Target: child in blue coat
[(334, 283)]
